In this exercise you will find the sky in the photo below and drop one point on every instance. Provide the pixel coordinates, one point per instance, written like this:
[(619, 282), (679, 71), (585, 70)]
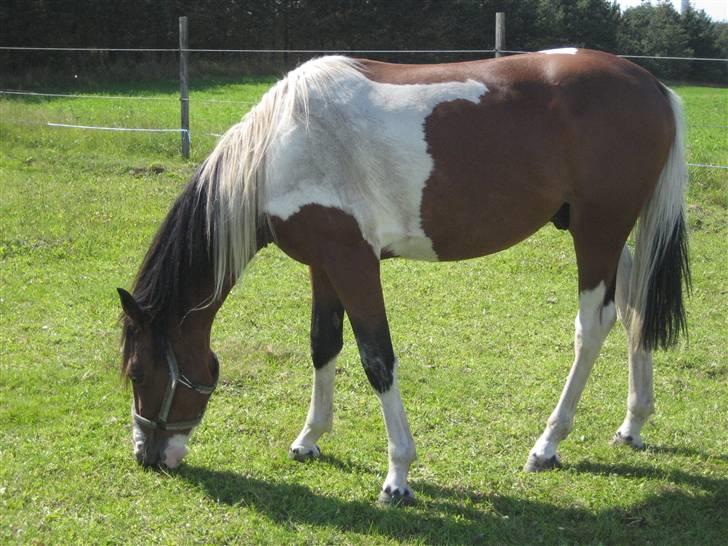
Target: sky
[(716, 9)]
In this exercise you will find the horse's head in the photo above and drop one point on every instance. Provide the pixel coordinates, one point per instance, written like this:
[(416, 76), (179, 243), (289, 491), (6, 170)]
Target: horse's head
[(173, 373)]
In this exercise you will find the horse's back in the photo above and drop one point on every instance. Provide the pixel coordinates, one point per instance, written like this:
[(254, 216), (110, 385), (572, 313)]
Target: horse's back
[(459, 160)]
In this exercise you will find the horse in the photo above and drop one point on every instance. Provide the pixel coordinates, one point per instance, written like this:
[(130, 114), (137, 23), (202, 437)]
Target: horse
[(346, 162)]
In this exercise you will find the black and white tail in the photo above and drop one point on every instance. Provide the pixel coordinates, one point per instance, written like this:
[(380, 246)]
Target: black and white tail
[(661, 253)]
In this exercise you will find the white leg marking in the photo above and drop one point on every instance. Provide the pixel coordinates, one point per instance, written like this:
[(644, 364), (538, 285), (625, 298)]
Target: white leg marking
[(401, 446), (640, 401), (320, 413), (592, 325)]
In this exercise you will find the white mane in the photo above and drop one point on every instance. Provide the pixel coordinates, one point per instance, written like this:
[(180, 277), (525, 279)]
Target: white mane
[(233, 176)]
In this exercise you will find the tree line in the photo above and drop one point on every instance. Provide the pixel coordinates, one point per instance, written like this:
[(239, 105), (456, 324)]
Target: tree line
[(351, 24)]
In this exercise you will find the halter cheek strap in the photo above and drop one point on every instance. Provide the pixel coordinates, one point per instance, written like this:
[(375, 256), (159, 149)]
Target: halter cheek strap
[(175, 379)]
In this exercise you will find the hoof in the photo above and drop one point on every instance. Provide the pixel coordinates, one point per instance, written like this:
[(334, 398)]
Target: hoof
[(397, 496), (619, 439), (303, 454), (534, 464)]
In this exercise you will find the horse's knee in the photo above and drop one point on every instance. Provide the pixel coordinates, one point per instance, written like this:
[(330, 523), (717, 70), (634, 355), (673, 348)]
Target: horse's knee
[(403, 454), (379, 368), (622, 293), (608, 316), (377, 355), (560, 426), (597, 315), (327, 336), (640, 407)]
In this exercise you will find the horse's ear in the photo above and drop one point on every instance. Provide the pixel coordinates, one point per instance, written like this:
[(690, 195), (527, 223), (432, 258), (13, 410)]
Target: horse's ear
[(131, 307)]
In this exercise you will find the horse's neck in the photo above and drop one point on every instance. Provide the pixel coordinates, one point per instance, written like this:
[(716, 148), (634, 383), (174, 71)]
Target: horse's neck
[(201, 306), (198, 307)]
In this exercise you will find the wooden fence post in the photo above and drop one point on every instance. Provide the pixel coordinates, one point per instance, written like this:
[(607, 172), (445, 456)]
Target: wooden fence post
[(184, 92), (500, 33)]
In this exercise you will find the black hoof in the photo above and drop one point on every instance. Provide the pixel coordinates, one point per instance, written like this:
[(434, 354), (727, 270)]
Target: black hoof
[(534, 464), (619, 439), (396, 497), (303, 454)]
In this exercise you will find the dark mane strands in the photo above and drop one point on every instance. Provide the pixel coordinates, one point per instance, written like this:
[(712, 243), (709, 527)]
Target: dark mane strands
[(179, 254)]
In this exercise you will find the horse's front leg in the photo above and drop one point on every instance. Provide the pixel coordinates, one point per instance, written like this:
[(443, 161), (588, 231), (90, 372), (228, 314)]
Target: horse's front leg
[(356, 279), (327, 314), (401, 445)]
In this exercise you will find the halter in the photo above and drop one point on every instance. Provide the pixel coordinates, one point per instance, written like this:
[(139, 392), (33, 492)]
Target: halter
[(175, 378)]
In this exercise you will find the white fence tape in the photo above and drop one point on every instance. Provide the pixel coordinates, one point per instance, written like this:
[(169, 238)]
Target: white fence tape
[(130, 129)]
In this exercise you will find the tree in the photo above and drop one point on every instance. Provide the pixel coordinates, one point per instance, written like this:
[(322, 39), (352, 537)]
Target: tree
[(579, 23), (721, 39), (343, 24), (703, 37), (655, 30)]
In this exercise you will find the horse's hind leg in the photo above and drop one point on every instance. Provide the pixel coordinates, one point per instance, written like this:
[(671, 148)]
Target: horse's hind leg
[(327, 314), (596, 316), (355, 275), (640, 402)]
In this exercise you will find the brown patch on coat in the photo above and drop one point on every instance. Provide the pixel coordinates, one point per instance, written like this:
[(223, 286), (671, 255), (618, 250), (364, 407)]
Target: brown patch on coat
[(590, 130), (330, 240)]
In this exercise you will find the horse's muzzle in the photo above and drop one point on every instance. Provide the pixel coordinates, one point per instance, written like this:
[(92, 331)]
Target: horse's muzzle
[(150, 454)]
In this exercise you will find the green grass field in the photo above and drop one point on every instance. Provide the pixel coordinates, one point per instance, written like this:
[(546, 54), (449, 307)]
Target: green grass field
[(484, 346)]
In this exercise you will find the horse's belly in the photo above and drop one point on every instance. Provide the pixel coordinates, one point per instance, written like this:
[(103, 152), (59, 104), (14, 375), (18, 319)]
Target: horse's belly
[(460, 229)]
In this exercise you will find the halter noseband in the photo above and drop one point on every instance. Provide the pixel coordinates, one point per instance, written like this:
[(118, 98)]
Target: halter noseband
[(175, 378)]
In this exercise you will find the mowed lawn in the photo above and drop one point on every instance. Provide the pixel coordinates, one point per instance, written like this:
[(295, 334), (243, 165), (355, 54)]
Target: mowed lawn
[(484, 346)]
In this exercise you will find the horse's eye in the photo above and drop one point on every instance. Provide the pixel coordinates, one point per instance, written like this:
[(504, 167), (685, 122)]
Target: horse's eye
[(136, 375)]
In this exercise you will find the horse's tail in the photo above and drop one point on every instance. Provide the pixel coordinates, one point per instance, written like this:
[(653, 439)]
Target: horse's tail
[(233, 176), (661, 254)]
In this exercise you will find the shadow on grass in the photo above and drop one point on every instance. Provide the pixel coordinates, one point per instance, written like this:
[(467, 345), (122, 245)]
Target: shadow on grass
[(719, 485), (685, 452), (454, 515)]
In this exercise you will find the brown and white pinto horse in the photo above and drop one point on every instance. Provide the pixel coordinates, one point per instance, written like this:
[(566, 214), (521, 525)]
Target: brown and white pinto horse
[(346, 162)]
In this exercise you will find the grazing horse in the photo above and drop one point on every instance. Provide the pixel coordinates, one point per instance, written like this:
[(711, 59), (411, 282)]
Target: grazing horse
[(345, 162)]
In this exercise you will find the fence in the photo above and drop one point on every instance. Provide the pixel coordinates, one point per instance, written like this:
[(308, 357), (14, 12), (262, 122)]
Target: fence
[(184, 99)]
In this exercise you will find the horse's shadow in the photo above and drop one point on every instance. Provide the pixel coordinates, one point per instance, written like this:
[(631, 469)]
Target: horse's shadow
[(684, 452), (461, 515)]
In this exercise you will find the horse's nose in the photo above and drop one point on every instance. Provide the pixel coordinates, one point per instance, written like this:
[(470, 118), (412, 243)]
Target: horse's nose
[(151, 454), (147, 459)]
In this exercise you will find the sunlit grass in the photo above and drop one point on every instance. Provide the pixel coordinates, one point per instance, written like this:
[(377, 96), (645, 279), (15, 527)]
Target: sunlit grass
[(484, 346)]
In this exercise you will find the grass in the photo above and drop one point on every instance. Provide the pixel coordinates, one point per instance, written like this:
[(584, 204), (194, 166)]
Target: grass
[(484, 347)]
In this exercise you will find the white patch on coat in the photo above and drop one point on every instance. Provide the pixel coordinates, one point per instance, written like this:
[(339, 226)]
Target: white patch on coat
[(363, 151), (175, 450), (560, 51), (233, 175)]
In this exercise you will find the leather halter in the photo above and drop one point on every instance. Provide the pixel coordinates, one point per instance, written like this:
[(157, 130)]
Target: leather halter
[(175, 379)]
